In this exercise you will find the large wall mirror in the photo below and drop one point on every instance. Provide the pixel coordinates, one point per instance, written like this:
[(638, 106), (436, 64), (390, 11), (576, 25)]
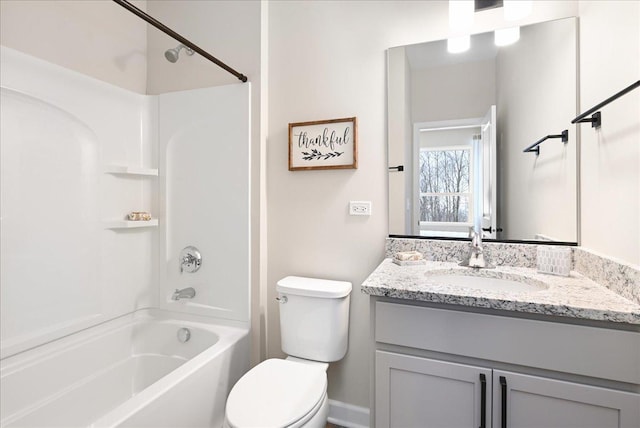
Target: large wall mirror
[(458, 125)]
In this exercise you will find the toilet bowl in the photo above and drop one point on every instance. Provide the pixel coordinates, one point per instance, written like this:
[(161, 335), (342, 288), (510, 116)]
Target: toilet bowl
[(279, 393), (292, 393)]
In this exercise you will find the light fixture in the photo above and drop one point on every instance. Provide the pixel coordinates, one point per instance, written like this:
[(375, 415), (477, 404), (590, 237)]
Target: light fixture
[(461, 14), (458, 44), (517, 9), (507, 36)]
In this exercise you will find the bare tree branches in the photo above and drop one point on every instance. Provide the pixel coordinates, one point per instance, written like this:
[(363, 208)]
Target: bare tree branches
[(444, 180)]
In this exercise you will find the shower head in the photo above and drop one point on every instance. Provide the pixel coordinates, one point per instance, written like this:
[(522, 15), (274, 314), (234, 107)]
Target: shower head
[(172, 54)]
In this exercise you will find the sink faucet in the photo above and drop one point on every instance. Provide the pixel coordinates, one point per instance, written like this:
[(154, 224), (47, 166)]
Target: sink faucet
[(185, 293), (476, 258)]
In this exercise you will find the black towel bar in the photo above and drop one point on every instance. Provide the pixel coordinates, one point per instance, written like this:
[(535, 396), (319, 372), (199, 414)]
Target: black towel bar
[(535, 146), (596, 118)]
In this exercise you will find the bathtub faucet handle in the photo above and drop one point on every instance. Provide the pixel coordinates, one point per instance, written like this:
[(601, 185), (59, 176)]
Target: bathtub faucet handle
[(190, 259)]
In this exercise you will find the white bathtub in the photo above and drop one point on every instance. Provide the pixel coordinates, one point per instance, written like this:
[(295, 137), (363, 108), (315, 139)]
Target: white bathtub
[(129, 372)]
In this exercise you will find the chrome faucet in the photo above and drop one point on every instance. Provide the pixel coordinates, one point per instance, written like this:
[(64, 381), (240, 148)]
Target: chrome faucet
[(185, 293), (476, 257), (190, 259)]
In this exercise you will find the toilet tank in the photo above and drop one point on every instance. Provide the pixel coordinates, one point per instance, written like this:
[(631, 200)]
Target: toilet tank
[(314, 317)]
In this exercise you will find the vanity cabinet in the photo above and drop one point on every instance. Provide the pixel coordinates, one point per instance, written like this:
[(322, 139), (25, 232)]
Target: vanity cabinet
[(521, 401), (416, 392), (441, 368)]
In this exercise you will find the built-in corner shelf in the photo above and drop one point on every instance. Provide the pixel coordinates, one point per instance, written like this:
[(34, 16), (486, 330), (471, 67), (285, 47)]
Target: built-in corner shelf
[(128, 224), (120, 223), (130, 170)]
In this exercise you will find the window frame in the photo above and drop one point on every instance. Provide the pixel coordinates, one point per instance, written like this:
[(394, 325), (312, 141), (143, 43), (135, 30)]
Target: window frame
[(469, 194), (445, 229)]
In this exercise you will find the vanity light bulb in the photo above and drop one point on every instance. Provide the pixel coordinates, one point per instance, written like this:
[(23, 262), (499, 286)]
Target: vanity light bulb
[(458, 44), (517, 9), (461, 14), (507, 36)]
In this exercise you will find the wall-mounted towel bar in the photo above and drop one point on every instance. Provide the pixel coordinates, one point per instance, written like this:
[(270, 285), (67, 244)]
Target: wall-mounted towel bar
[(596, 118), (535, 146), (160, 26)]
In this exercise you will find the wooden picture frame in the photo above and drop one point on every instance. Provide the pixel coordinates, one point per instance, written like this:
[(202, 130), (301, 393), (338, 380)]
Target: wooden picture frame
[(323, 144)]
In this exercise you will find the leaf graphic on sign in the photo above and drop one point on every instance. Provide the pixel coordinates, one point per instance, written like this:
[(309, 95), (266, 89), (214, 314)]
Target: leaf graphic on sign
[(318, 155)]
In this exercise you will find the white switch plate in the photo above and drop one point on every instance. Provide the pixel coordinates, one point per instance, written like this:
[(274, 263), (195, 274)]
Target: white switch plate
[(359, 207)]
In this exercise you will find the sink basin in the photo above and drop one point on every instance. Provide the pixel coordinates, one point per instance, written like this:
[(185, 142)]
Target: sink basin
[(487, 280)]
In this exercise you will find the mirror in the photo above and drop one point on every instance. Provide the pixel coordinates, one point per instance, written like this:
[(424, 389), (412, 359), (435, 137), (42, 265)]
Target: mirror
[(458, 125)]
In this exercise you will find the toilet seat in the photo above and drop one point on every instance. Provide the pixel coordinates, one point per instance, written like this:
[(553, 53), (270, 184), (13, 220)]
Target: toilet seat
[(276, 393)]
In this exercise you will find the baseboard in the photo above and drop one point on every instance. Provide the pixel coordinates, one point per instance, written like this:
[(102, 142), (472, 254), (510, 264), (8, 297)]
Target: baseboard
[(348, 415)]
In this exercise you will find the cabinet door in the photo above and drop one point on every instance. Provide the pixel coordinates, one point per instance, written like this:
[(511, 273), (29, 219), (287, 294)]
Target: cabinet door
[(419, 392), (521, 401)]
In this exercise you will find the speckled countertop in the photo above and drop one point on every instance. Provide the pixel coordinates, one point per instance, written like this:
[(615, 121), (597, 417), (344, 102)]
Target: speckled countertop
[(575, 296)]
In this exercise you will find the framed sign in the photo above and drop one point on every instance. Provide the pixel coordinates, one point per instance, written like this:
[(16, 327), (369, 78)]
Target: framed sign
[(323, 144)]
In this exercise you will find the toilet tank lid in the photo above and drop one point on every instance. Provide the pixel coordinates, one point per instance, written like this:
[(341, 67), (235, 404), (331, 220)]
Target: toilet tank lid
[(313, 287)]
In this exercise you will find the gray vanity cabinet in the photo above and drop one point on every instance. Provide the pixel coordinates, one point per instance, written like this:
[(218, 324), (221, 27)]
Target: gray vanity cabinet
[(417, 392), (533, 401), (439, 368), (422, 392)]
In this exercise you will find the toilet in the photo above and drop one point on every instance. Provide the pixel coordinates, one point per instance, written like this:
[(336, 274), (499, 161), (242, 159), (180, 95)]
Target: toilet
[(292, 392)]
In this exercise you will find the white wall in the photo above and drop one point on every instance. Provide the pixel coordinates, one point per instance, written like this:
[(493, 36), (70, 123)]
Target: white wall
[(82, 272), (53, 167), (400, 139), (540, 188), (228, 30), (459, 91), (327, 60), (610, 157), (204, 182), (233, 32), (96, 38), (62, 269), (448, 137)]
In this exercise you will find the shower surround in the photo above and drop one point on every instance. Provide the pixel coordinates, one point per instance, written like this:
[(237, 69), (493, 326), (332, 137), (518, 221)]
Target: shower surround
[(77, 155)]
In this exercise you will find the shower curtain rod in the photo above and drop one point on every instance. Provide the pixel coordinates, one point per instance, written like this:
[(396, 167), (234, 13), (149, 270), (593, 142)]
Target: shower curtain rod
[(160, 26)]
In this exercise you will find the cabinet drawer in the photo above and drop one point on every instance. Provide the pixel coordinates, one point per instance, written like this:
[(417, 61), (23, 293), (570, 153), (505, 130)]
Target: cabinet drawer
[(582, 350)]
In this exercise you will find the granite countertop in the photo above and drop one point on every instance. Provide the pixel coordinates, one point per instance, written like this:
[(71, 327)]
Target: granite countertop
[(575, 296)]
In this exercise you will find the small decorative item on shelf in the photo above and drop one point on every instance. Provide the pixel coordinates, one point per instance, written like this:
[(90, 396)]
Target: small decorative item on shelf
[(139, 216)]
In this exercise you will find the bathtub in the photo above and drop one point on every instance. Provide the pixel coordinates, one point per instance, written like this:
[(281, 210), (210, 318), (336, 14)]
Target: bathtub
[(134, 371)]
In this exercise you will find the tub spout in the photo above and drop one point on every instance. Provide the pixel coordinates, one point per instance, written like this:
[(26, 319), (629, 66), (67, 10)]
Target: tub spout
[(185, 293)]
